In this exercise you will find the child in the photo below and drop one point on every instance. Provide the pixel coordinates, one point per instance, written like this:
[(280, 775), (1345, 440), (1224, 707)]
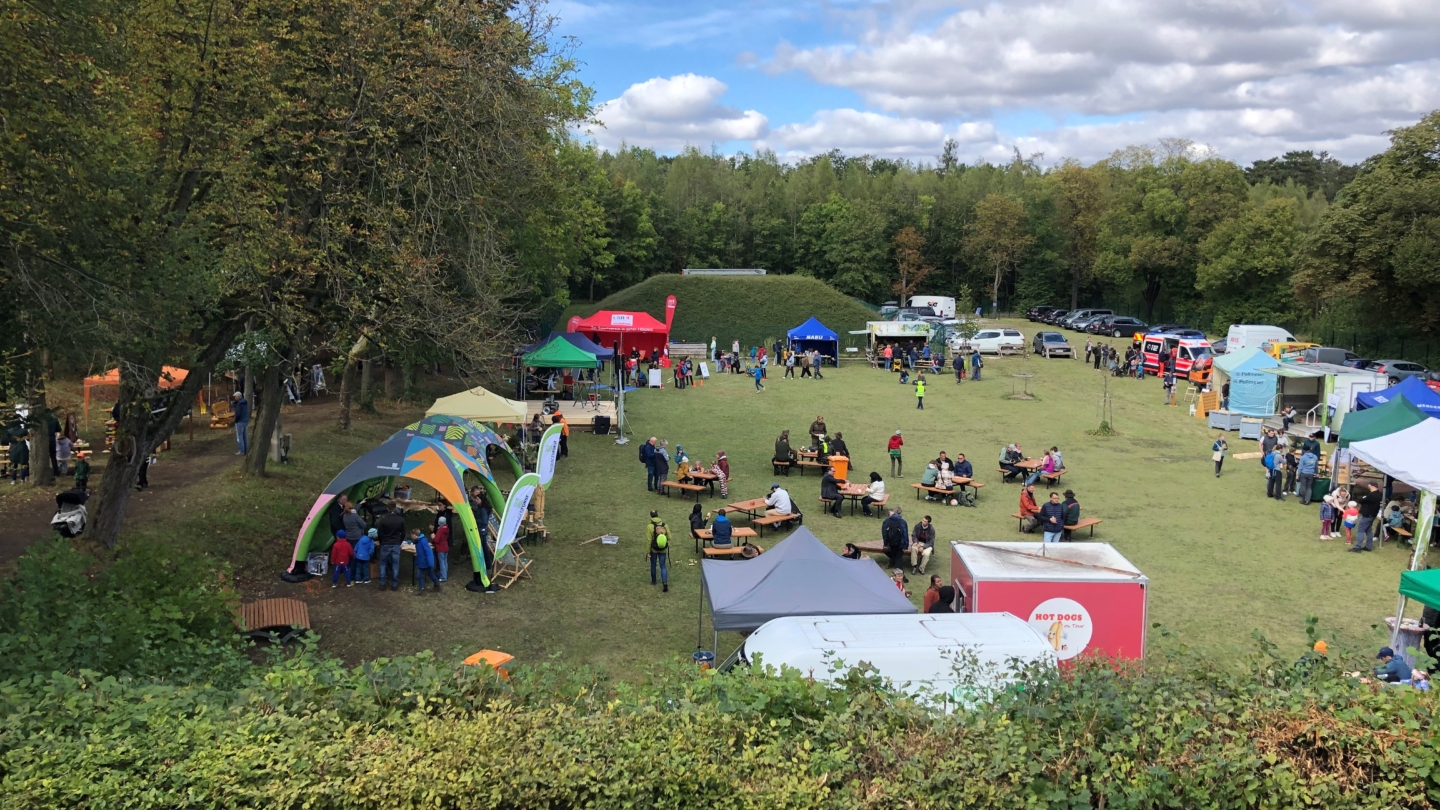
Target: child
[(364, 551), (1395, 519), (898, 577), (340, 555), (442, 548), (82, 474), (1327, 517), (62, 454), (424, 561), (1351, 517)]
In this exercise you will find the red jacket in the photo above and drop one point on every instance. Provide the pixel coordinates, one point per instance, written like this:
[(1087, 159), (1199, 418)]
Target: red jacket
[(1027, 504), (341, 552), (895, 442), (442, 539)]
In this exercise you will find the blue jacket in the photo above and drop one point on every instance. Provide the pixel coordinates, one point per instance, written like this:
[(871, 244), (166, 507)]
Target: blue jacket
[(365, 548), (424, 556), (241, 410), (647, 454), (904, 530), (720, 531), (1308, 464), (964, 470), (757, 372), (1052, 510)]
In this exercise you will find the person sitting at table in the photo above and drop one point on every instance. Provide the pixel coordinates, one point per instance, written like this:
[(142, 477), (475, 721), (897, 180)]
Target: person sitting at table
[(830, 491), (822, 449), (962, 467), (784, 456), (778, 501), (682, 463), (697, 522), (1047, 467), (930, 478), (873, 493), (945, 479), (1009, 458), (944, 462), (720, 531), (1029, 510)]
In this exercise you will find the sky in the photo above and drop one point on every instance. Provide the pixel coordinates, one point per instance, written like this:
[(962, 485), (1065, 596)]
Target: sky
[(1056, 78)]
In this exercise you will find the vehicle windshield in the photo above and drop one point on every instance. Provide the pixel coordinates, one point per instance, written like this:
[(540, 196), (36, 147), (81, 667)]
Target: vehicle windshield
[(1199, 352), (1053, 337)]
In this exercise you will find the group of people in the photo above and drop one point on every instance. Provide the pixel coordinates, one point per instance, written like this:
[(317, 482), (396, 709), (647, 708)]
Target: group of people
[(59, 435), (655, 455), (948, 474), (375, 530), (917, 357), (1012, 457), (1050, 518)]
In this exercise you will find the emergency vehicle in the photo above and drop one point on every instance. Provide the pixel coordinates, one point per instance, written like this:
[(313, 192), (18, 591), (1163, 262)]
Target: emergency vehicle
[(1193, 360)]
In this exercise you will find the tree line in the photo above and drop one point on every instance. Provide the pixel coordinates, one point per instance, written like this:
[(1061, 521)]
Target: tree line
[(1168, 231)]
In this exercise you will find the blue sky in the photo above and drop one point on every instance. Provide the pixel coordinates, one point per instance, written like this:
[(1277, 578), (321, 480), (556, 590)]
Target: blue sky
[(1061, 78)]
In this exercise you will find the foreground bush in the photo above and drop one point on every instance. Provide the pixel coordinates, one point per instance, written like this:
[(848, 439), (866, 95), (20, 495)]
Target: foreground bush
[(423, 732)]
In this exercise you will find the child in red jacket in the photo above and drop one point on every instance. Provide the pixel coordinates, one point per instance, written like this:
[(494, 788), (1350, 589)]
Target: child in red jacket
[(340, 556), (442, 548)]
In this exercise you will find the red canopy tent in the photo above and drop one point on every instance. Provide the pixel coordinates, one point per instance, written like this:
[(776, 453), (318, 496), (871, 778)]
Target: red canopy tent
[(632, 330), (170, 377)]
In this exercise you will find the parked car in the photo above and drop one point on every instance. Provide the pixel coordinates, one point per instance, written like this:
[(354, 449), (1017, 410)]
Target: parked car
[(889, 310), (1162, 328), (1036, 313), (1051, 344), (1084, 324), (1190, 334), (1119, 326), (1245, 335), (1397, 370), (990, 341), (1083, 314), (1329, 354), (1054, 316)]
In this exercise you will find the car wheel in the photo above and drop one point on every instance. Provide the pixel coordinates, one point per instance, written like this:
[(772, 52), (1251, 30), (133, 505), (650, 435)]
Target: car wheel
[(1394, 380), (1117, 333)]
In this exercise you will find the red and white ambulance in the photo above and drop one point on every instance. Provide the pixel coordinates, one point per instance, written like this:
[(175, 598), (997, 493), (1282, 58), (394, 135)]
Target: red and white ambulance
[(1192, 356)]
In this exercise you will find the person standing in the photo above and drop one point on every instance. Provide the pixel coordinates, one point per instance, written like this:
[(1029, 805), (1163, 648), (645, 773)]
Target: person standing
[(817, 429), (424, 561), (241, 409), (714, 350), (1089, 348), (894, 536), (364, 550), (897, 463), (559, 419), (660, 554), (758, 372), (1072, 512), (789, 365), (816, 361), (661, 462), (920, 392), (1052, 519), (1169, 382), (391, 528), (975, 364), (922, 545), (1369, 505), (647, 457), (1225, 396), (341, 553), (1217, 452), (932, 594), (1305, 471), (1274, 482), (830, 492), (442, 548), (721, 468), (1267, 443), (958, 363)]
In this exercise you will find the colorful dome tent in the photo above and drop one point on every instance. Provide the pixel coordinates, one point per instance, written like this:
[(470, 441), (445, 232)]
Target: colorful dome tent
[(1411, 388), (813, 334), (472, 440), (429, 461)]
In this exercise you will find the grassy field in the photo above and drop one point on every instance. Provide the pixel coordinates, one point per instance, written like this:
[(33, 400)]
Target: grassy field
[(1222, 560), (752, 309)]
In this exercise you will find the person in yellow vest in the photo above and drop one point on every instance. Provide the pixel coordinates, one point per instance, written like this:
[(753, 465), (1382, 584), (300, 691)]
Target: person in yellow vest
[(920, 391)]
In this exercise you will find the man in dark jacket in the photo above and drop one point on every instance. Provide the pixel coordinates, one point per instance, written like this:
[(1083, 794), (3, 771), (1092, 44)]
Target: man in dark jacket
[(647, 457), (922, 545), (895, 535), (1369, 510), (241, 410), (392, 533), (336, 513), (1052, 518), (817, 429), (830, 491), (962, 467), (944, 600), (1072, 511)]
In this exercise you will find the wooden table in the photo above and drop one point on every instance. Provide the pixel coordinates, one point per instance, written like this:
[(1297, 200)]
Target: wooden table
[(704, 536), (704, 477), (755, 507), (853, 493), (810, 454)]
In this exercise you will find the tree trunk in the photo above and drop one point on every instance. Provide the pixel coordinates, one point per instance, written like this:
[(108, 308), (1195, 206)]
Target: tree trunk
[(348, 379), (136, 422), (265, 421), (42, 474), (1075, 289), (1151, 295), (995, 291), (367, 386), (390, 382)]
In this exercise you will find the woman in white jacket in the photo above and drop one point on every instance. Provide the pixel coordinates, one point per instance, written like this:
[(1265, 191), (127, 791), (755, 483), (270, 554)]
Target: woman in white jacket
[(873, 493)]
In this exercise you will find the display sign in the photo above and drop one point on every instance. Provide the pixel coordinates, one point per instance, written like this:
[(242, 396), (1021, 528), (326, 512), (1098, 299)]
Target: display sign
[(656, 381), (704, 370), (549, 451), (515, 508), (1064, 623), (621, 319)]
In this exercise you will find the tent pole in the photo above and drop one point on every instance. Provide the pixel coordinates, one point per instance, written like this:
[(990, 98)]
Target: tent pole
[(700, 615), (1424, 527)]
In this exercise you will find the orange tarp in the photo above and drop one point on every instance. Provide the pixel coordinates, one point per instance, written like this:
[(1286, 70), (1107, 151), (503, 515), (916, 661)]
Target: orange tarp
[(170, 377)]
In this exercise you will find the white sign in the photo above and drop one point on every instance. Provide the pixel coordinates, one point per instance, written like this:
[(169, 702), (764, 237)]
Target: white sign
[(515, 507), (617, 319), (549, 451), (656, 381), (1064, 623), (704, 370)]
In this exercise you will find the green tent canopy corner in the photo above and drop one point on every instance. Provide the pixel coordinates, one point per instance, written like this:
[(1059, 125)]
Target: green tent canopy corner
[(1396, 415), (560, 353), (1422, 586), (431, 462)]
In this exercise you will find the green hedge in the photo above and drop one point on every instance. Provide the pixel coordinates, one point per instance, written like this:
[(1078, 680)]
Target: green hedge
[(421, 732), (751, 309)]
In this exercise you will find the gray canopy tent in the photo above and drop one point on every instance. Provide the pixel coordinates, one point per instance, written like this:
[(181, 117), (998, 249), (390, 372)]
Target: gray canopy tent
[(800, 576)]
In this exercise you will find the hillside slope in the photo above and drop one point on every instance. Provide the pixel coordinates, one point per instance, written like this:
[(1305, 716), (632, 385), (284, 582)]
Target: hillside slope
[(751, 309)]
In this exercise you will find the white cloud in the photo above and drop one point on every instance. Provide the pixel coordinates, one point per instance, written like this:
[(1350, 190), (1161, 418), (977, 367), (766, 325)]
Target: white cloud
[(857, 132), (671, 113)]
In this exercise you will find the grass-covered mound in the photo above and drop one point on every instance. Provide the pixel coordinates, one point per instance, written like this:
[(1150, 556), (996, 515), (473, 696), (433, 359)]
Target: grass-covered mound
[(751, 309)]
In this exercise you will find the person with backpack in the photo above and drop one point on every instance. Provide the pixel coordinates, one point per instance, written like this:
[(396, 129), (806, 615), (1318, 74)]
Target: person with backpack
[(895, 535), (660, 553)]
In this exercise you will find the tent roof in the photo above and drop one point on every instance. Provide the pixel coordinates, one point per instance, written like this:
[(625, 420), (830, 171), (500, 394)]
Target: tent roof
[(1381, 420), (586, 344), (812, 330), (1407, 454), (1422, 586), (1250, 357), (481, 406), (426, 460), (170, 377), (800, 576), (607, 320), (1060, 562), (459, 432), (1411, 388), (560, 353)]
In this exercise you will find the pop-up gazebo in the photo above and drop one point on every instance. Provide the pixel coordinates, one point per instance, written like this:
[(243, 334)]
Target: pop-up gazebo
[(1411, 388), (170, 377), (813, 334), (1252, 392), (632, 330), (560, 353), (435, 463), (480, 405)]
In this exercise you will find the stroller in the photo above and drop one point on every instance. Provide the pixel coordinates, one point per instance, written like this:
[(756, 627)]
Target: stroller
[(70, 515)]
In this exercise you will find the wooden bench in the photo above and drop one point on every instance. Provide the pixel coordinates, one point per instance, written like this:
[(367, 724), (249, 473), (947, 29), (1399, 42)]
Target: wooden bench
[(737, 531), (802, 464), (280, 620), (782, 467), (1085, 523), (772, 520), (221, 416), (873, 547), (960, 483), (1051, 479), (666, 486), (733, 551)]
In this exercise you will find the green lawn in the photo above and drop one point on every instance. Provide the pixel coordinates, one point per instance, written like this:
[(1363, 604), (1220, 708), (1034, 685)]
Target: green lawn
[(1222, 560)]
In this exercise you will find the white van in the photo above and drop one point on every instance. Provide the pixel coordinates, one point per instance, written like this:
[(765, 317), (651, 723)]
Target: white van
[(943, 306), (1243, 336), (918, 653), (990, 341)]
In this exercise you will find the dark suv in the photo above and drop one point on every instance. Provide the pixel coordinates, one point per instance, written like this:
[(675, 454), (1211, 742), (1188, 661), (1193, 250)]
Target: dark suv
[(1038, 313)]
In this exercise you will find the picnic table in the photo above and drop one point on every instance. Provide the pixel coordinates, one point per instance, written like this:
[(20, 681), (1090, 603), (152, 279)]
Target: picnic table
[(753, 508), (704, 477), (705, 536), (853, 493)]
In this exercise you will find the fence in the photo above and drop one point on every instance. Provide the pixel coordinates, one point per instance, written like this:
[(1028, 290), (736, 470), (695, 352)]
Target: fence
[(1420, 350)]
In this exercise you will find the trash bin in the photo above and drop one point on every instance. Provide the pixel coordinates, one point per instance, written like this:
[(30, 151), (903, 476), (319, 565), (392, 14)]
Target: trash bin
[(704, 659), (1319, 488), (842, 467)]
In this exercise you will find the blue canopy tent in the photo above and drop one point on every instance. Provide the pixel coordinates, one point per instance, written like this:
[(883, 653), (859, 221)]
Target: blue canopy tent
[(1413, 389), (815, 335), (1252, 392)]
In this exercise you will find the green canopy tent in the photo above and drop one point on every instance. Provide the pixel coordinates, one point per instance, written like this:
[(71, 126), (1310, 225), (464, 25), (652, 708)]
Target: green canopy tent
[(560, 353), (1394, 416), (1422, 586)]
